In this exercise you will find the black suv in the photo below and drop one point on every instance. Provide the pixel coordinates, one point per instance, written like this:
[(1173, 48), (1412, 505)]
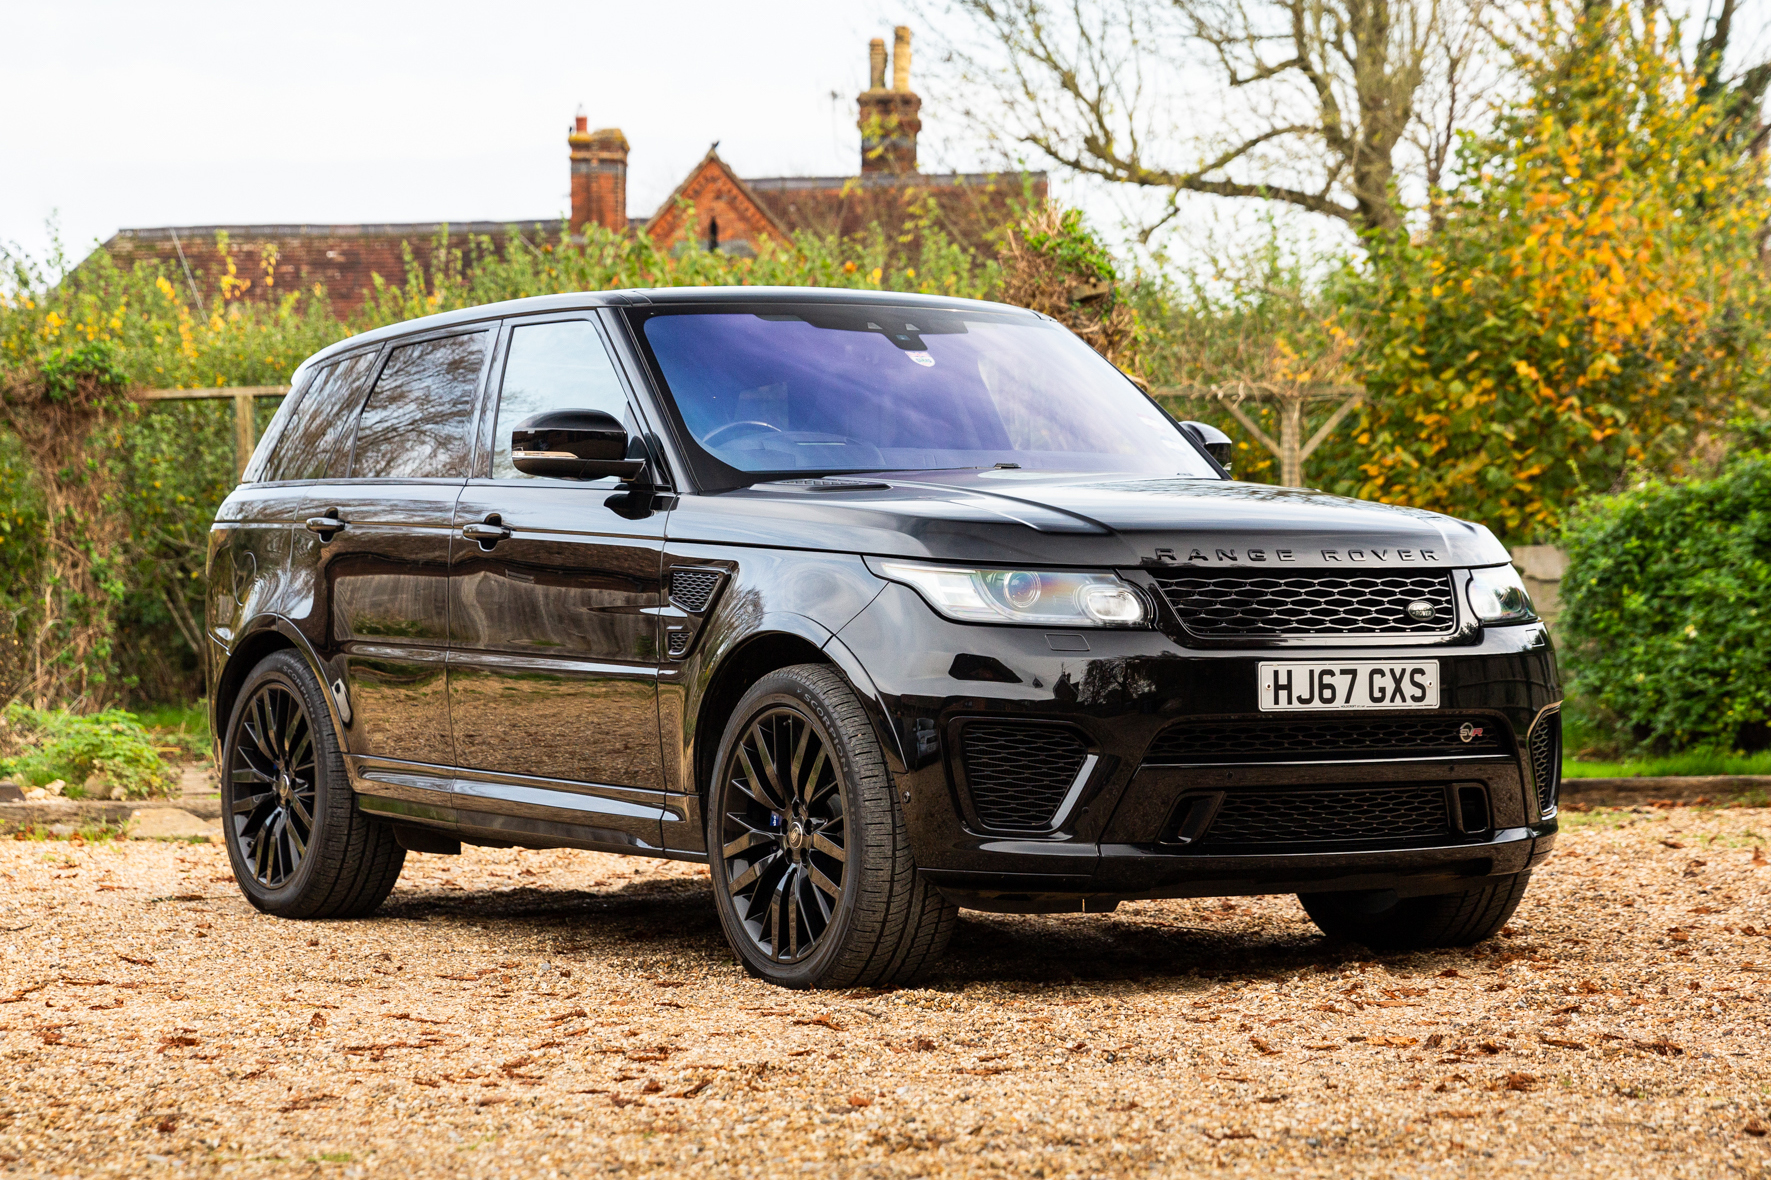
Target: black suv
[(880, 605)]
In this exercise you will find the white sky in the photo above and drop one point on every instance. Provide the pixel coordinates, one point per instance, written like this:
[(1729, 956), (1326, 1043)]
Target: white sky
[(201, 113)]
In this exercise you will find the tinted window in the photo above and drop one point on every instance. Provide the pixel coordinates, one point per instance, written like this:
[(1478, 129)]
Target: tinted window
[(554, 367), (415, 423), (315, 442), (883, 388)]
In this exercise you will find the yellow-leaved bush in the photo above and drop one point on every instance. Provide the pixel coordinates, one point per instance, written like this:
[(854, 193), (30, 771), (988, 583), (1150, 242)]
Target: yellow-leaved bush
[(1590, 299)]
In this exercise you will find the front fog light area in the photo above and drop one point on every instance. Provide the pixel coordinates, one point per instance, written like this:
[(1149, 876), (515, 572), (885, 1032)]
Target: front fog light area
[(1497, 595), (1038, 598)]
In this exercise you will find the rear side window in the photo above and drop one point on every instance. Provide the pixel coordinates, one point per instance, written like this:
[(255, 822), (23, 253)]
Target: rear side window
[(415, 423), (559, 366), (314, 444)]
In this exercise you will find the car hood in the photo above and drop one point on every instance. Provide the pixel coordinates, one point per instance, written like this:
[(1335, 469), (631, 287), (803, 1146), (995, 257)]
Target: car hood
[(1024, 516)]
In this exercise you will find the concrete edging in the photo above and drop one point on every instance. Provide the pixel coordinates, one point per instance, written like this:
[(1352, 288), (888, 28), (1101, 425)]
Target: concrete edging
[(41, 813)]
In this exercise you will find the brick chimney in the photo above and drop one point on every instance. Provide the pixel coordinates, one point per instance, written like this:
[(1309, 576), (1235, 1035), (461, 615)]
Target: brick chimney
[(599, 176), (889, 121)]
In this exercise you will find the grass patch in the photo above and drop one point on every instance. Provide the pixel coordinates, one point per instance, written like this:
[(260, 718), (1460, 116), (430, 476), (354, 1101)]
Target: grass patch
[(184, 727), (1692, 762)]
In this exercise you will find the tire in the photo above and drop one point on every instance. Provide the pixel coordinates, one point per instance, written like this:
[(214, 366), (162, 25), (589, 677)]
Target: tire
[(811, 864), (1382, 921), (298, 844)]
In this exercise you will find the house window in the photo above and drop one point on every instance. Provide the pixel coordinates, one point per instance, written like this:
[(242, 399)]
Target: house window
[(713, 233)]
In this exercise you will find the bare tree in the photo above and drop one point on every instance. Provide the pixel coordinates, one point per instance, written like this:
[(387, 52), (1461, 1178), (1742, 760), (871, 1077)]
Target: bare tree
[(1317, 104)]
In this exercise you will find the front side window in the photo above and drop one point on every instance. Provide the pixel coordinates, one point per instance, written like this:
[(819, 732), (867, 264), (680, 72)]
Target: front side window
[(315, 442), (561, 366), (877, 388), (415, 424)]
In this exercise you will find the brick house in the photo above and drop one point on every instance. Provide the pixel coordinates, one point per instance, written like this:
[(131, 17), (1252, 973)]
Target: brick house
[(712, 204)]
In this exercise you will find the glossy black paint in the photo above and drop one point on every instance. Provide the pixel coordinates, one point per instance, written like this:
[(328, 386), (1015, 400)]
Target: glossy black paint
[(507, 663)]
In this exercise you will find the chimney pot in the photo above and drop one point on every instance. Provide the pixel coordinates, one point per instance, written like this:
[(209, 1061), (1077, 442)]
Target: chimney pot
[(876, 64), (901, 58)]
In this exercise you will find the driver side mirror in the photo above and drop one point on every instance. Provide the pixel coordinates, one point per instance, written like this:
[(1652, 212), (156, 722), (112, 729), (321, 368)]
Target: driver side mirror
[(573, 444), (1217, 444)]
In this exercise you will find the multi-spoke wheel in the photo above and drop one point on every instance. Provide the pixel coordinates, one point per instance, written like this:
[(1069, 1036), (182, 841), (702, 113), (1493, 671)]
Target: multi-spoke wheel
[(272, 774), (783, 834), (298, 845), (812, 869)]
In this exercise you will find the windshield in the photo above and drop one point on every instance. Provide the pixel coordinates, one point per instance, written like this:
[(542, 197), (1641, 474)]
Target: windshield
[(777, 388)]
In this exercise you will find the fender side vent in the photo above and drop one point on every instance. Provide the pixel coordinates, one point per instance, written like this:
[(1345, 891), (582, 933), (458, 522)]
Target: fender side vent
[(692, 590), (677, 642)]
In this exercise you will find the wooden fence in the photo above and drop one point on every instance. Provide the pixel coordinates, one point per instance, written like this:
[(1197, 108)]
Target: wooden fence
[(244, 397)]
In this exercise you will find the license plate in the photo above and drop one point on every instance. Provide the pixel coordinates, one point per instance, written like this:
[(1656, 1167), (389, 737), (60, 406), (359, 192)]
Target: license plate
[(1350, 684)]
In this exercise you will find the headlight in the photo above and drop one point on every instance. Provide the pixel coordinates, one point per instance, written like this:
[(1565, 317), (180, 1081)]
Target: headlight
[(1035, 598), (1498, 596)]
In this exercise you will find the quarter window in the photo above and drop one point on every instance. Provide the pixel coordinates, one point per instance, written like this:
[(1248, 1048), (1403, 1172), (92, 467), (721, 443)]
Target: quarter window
[(561, 366), (415, 425), (316, 442)]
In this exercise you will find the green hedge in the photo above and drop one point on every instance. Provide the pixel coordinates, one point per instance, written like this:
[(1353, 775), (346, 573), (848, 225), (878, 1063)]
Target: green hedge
[(1667, 607)]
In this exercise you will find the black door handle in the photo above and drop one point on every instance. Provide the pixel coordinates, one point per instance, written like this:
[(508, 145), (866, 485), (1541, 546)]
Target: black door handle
[(324, 525)]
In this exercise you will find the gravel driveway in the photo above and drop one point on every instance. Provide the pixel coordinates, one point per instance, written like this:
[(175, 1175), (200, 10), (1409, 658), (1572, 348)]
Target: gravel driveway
[(519, 1013)]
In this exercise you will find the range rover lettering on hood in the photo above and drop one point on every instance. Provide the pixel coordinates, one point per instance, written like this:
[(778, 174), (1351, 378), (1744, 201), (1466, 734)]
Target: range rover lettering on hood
[(1259, 555)]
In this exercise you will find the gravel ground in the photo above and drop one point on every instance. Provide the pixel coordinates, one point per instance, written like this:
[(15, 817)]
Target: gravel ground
[(544, 1013)]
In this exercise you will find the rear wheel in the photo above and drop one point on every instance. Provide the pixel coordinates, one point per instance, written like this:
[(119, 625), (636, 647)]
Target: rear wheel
[(811, 864), (1384, 922), (299, 846)]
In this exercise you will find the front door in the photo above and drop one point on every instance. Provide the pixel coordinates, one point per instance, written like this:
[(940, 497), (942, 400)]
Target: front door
[(554, 597), (383, 535)]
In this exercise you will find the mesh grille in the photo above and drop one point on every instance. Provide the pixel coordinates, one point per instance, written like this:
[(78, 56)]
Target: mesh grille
[(678, 642), (1317, 816), (1546, 760), (692, 590), (1018, 774), (1309, 604), (1339, 739)]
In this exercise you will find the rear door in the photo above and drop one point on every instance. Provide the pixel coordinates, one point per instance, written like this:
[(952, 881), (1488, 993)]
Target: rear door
[(383, 536), (553, 682)]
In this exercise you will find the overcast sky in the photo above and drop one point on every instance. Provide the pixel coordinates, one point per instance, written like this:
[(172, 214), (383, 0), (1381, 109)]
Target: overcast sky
[(201, 113)]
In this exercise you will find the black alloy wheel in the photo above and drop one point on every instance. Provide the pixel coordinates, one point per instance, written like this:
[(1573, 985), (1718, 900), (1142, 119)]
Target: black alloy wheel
[(299, 845), (782, 824), (812, 873), (274, 795)]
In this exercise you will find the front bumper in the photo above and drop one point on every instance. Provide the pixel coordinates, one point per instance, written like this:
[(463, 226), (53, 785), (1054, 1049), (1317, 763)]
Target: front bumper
[(1117, 839)]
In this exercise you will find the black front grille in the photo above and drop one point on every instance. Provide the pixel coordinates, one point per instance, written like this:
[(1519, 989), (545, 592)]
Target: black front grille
[(1329, 815), (1546, 760), (1018, 774), (692, 590), (1308, 604), (1338, 739)]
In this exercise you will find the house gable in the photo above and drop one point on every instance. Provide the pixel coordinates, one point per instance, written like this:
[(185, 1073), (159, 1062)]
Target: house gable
[(716, 208)]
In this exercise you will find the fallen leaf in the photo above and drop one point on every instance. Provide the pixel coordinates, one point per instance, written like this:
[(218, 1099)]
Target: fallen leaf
[(693, 1090), (305, 1102), (1521, 1081), (1394, 1042), (177, 1042), (859, 1100), (1452, 973), (823, 1021), (1229, 1135), (1265, 1049), (1671, 843), (1560, 1043), (136, 961), (1755, 1126)]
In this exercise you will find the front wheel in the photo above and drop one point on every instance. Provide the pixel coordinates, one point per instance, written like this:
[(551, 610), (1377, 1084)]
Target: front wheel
[(811, 864), (299, 846), (1384, 922)]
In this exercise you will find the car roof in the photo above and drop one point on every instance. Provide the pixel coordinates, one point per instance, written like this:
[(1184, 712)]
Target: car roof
[(640, 296)]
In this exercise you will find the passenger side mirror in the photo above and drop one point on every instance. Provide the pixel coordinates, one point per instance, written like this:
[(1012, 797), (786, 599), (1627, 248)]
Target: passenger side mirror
[(573, 444), (1217, 444)]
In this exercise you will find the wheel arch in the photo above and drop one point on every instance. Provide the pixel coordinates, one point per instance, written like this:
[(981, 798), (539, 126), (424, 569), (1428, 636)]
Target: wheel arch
[(768, 651), (266, 634)]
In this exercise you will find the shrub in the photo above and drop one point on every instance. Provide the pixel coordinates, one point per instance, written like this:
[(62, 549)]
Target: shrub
[(110, 750), (1665, 606)]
